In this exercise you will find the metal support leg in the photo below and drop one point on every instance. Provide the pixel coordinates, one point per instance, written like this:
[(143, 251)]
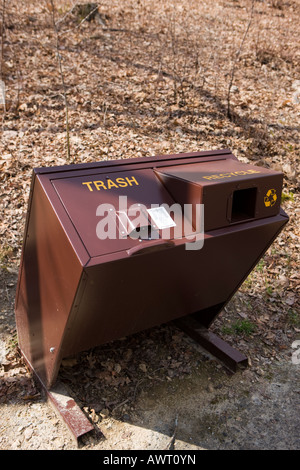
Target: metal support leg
[(68, 409), (231, 358)]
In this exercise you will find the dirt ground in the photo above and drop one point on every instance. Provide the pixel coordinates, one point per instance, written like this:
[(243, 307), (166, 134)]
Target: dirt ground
[(150, 78)]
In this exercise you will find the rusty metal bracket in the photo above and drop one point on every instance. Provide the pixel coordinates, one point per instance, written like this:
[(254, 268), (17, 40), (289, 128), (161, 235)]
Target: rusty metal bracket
[(68, 409), (65, 407), (230, 357)]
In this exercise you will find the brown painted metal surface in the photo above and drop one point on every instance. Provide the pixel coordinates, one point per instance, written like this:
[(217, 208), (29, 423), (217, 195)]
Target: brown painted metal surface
[(76, 291)]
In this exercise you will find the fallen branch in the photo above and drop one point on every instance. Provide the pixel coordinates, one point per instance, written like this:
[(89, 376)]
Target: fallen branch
[(62, 80)]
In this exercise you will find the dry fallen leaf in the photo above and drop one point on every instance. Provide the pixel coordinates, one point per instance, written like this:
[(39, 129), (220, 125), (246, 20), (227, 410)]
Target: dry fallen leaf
[(143, 367), (69, 362)]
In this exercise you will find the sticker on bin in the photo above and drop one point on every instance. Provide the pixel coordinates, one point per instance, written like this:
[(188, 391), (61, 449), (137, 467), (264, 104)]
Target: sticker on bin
[(161, 218)]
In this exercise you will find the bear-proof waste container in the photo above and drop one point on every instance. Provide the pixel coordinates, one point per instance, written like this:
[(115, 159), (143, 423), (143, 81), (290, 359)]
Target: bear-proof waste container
[(116, 247)]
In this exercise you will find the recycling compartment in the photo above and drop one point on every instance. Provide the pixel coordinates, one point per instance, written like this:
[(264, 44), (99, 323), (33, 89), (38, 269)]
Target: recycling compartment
[(92, 272)]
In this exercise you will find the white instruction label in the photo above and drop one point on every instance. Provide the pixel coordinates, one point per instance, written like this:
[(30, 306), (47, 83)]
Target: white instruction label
[(161, 218)]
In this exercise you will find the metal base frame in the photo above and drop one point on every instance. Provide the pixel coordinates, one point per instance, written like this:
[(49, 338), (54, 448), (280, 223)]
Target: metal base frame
[(79, 425)]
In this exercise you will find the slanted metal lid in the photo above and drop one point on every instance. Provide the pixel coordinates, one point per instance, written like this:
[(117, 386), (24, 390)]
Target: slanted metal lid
[(216, 172), (113, 212)]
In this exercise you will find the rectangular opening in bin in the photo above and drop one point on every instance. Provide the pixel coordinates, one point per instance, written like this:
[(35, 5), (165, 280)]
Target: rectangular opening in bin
[(243, 204)]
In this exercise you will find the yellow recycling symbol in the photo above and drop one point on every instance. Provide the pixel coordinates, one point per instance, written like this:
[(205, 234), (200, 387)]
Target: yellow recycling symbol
[(270, 198)]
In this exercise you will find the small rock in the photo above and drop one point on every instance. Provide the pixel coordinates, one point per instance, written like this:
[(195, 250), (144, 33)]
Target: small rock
[(179, 131), (256, 400), (296, 97), (16, 444), (296, 85), (289, 170), (10, 134), (28, 434)]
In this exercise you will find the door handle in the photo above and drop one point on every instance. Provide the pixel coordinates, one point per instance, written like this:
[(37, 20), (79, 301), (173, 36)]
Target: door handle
[(147, 246)]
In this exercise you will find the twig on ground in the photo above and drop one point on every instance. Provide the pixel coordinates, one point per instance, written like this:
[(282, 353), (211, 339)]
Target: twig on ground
[(120, 404), (238, 53), (91, 12), (2, 38), (62, 80), (60, 20), (171, 444), (2, 84)]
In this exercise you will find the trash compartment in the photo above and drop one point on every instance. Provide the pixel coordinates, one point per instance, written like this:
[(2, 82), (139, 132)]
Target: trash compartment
[(116, 247)]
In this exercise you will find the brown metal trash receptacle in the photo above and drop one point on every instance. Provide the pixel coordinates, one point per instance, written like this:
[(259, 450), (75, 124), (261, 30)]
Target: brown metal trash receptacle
[(78, 288)]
